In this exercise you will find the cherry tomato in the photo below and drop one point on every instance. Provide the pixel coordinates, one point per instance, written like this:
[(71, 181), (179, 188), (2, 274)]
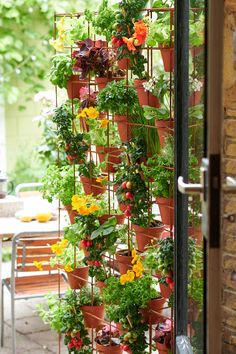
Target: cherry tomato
[(127, 213), (129, 185), (124, 185), (129, 195)]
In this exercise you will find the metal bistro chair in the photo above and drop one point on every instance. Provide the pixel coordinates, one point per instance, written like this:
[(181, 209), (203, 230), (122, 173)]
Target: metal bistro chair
[(27, 248)]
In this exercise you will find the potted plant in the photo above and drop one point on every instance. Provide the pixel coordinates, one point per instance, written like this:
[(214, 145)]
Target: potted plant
[(59, 183), (93, 58), (92, 179), (195, 90), (129, 35), (68, 137), (63, 314), (108, 340), (103, 21), (71, 259), (61, 75), (91, 305), (163, 336), (196, 33), (121, 101), (161, 32)]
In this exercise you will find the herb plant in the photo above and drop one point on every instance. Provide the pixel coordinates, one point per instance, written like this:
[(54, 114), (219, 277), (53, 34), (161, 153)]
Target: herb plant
[(89, 297), (61, 70)]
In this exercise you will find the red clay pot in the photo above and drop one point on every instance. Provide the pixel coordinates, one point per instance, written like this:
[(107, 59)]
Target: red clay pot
[(167, 54), (196, 51), (196, 233), (152, 313), (101, 82), (164, 127), (123, 127), (196, 97), (119, 218), (101, 285), (113, 157), (144, 236), (124, 64), (93, 315), (74, 84), (91, 186), (109, 349), (165, 291), (145, 97), (78, 278), (162, 348), (166, 210), (124, 261), (72, 213)]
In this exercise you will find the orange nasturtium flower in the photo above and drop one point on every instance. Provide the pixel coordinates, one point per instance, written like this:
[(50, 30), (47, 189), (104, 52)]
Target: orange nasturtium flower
[(68, 268), (104, 123), (130, 43), (102, 179), (140, 33), (84, 205)]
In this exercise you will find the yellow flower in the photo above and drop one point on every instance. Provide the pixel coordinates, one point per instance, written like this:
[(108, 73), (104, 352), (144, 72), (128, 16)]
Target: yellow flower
[(92, 208), (57, 44), (68, 268), (61, 26), (138, 269), (84, 205), (130, 275), (104, 123), (89, 113), (134, 253), (123, 279), (38, 265), (56, 248), (64, 243)]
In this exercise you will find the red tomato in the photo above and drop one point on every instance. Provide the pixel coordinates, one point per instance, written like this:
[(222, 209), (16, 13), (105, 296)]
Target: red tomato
[(129, 195), (127, 213), (124, 185)]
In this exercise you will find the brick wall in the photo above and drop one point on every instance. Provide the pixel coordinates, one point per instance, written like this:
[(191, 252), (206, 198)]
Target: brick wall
[(229, 169)]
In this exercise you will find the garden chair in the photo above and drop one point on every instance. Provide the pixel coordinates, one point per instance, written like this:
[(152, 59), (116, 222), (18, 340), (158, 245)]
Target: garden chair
[(26, 280)]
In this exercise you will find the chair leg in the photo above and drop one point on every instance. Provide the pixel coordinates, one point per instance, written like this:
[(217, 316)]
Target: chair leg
[(13, 324), (2, 319)]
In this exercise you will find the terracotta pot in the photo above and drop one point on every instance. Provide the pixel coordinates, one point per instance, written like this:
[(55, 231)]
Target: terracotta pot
[(144, 236), (78, 278), (117, 78), (100, 43), (196, 233), (91, 186), (164, 127), (109, 349), (124, 64), (162, 348), (74, 159), (152, 314), (166, 210), (196, 51), (165, 291), (93, 315), (196, 97), (101, 82), (145, 97), (113, 157), (119, 218), (101, 285), (74, 84), (72, 213), (124, 261), (167, 54), (123, 127)]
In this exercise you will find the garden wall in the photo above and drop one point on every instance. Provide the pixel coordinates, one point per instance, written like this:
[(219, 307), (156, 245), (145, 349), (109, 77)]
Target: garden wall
[(229, 169)]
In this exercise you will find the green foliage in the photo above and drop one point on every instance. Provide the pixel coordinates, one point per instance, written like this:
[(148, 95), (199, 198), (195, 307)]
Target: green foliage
[(196, 29), (159, 31), (61, 70), (103, 22), (90, 297), (71, 256), (63, 314), (97, 135), (90, 170), (59, 183), (6, 254), (117, 98)]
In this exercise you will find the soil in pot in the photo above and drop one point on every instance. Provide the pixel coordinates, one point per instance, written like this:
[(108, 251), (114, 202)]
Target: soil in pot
[(144, 236), (152, 314), (123, 127), (145, 97), (164, 128), (78, 278), (93, 315), (74, 84), (166, 207), (124, 259), (167, 54), (109, 349), (91, 186), (113, 157), (71, 213)]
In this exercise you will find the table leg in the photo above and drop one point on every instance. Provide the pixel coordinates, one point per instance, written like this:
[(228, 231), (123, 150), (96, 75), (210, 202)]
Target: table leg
[(1, 314)]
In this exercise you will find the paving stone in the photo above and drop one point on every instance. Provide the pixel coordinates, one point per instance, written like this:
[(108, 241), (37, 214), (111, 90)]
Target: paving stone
[(29, 325)]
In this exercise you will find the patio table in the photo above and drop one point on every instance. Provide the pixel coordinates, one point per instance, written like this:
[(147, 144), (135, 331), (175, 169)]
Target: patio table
[(9, 226)]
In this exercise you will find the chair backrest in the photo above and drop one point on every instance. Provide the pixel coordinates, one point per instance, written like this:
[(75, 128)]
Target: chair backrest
[(29, 193), (30, 247)]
